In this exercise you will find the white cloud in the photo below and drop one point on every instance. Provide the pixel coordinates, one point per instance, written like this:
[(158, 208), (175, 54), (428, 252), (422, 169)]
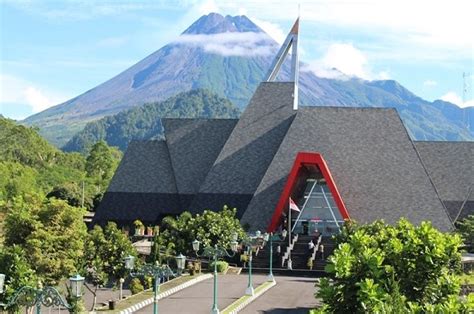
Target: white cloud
[(342, 61), (272, 29), (15, 90), (454, 98), (430, 83), (244, 44), (444, 27)]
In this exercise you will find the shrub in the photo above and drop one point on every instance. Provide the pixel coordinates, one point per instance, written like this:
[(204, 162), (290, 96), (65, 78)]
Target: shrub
[(379, 268), (221, 266), (148, 282), (136, 286)]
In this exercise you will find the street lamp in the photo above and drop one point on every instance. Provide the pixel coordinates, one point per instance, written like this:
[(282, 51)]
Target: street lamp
[(216, 252), (155, 270), (2, 282), (270, 236), (180, 262), (252, 242), (76, 284), (47, 296)]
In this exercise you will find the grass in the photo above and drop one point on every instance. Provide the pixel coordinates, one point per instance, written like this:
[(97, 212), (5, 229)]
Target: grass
[(142, 296), (238, 302)]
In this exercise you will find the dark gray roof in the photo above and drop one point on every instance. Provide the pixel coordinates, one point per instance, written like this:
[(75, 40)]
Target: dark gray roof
[(373, 162), (194, 145), (145, 168), (253, 142), (451, 167), (143, 186), (246, 155)]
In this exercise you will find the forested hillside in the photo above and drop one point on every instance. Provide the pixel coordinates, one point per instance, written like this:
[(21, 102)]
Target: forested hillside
[(144, 122), (30, 165)]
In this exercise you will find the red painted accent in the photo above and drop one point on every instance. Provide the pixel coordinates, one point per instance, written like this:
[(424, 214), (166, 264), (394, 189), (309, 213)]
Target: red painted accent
[(306, 158)]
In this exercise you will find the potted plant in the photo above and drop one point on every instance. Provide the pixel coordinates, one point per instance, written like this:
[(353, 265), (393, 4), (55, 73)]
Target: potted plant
[(149, 231), (139, 227), (197, 266)]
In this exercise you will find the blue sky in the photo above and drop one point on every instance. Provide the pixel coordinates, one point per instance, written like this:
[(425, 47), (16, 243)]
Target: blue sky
[(52, 51)]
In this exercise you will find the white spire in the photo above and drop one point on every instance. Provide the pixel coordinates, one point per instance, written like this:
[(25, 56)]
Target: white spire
[(291, 41)]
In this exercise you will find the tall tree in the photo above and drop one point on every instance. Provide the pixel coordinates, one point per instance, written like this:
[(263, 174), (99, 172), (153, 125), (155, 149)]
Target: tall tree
[(51, 231), (101, 163)]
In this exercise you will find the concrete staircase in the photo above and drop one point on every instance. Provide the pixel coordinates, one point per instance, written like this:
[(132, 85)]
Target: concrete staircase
[(299, 257)]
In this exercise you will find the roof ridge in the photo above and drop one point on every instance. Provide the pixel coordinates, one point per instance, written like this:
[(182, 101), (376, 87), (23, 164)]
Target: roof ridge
[(207, 119), (350, 108), (450, 142), (471, 190), (427, 172)]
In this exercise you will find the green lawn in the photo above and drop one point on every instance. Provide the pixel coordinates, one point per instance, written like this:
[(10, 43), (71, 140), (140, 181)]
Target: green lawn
[(139, 297)]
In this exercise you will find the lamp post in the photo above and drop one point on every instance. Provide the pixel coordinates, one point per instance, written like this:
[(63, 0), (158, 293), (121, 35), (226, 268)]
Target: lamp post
[(47, 296), (156, 271), (272, 237), (251, 242), (214, 253)]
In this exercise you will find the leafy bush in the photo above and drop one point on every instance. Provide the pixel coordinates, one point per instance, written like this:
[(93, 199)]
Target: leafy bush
[(221, 266), (148, 282), (466, 230), (136, 286), (209, 228), (378, 268)]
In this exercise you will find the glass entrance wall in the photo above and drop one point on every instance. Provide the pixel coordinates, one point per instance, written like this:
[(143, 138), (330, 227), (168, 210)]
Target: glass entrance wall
[(319, 212)]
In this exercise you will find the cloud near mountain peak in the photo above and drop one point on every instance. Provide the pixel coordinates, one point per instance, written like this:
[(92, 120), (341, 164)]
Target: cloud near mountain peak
[(242, 44)]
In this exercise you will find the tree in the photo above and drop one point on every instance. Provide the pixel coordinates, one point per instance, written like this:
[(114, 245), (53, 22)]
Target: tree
[(94, 264), (379, 268), (102, 162), (69, 192), (16, 180), (106, 250), (209, 228), (17, 271), (51, 231), (466, 230)]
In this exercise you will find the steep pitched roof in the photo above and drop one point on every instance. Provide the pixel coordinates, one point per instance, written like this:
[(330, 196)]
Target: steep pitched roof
[(250, 147), (372, 160), (194, 145), (143, 186), (451, 167), (145, 168)]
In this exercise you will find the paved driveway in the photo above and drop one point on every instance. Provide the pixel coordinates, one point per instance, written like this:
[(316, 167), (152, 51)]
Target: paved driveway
[(197, 299), (293, 295)]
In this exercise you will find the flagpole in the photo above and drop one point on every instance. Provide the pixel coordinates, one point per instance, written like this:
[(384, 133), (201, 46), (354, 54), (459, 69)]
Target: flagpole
[(289, 234)]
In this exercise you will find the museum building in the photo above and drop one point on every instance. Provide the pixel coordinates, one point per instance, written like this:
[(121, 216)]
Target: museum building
[(336, 163)]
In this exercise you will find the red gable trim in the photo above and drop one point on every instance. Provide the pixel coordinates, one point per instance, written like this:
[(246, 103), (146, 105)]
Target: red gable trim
[(306, 158)]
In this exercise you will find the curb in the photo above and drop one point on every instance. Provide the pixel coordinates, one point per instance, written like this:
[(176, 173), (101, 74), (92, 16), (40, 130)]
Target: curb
[(162, 295), (249, 300)]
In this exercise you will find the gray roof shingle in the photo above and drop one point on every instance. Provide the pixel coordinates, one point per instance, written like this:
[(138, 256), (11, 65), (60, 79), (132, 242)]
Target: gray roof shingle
[(145, 168), (143, 186), (194, 145), (372, 160), (252, 144), (451, 167)]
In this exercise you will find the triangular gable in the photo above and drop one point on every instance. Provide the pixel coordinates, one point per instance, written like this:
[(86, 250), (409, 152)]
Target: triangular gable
[(303, 159)]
